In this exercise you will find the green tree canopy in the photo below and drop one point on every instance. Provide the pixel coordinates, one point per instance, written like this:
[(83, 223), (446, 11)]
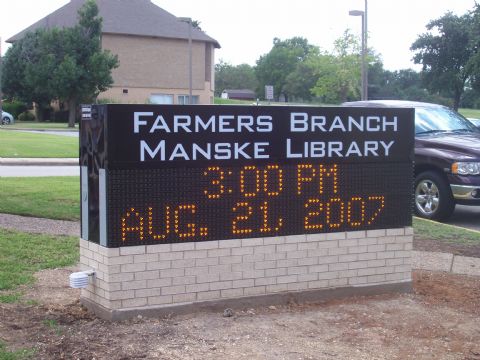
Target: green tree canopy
[(19, 76), (302, 79), (446, 53), (403, 84), (338, 74), (228, 76), (65, 64), (274, 68)]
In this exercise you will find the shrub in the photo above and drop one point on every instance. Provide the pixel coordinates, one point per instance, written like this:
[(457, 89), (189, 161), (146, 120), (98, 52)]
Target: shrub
[(105, 101), (14, 107), (60, 116), (26, 116)]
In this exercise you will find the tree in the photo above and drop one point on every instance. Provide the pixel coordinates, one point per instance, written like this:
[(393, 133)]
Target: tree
[(228, 76), (405, 84), (84, 70), (377, 78), (474, 62), (446, 52), (66, 64), (338, 74), (196, 24), (21, 78), (274, 67), (301, 80)]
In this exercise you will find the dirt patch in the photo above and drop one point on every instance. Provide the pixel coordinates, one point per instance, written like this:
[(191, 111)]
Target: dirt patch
[(422, 244), (52, 287), (438, 321)]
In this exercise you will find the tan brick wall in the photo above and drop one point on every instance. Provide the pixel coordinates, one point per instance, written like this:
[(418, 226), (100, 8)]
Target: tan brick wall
[(138, 95), (157, 64), (172, 274)]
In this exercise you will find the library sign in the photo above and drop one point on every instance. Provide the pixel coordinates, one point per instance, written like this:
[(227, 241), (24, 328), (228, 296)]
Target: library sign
[(154, 174)]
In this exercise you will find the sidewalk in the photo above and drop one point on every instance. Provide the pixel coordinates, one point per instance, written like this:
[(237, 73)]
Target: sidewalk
[(39, 225), (455, 264), (15, 128), (421, 260), (39, 161)]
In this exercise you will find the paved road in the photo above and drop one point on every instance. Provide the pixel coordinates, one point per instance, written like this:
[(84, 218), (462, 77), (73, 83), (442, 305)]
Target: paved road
[(37, 171), (466, 216)]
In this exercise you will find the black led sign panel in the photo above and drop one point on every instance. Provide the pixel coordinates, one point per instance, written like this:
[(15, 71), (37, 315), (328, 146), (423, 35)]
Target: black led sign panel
[(154, 174)]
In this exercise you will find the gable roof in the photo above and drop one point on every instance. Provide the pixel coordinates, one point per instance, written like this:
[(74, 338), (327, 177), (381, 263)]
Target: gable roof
[(126, 17)]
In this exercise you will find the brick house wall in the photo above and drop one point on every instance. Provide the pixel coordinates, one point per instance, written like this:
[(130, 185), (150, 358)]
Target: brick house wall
[(158, 66)]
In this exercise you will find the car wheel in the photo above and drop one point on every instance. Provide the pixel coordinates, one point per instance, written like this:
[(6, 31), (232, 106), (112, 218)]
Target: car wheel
[(433, 197), (5, 120)]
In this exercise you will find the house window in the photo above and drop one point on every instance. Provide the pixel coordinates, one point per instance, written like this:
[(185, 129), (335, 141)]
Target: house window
[(163, 99), (125, 91), (183, 99)]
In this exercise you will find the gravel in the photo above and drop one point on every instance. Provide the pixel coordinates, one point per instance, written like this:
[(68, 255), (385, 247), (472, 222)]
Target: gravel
[(39, 226)]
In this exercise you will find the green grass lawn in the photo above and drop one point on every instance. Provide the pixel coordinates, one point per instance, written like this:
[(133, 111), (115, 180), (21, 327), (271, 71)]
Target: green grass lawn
[(15, 355), (39, 126), (24, 254), (46, 197), (470, 113), (427, 229), (16, 144), (21, 256), (220, 101)]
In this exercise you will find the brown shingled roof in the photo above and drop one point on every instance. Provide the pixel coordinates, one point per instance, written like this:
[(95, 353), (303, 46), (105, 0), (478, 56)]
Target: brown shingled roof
[(128, 17)]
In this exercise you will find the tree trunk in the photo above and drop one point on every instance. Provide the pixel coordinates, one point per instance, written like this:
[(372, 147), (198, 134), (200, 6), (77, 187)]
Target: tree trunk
[(38, 109), (72, 112), (458, 92), (456, 100), (38, 113)]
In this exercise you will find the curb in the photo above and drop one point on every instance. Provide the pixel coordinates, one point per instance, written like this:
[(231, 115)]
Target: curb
[(39, 161), (450, 225)]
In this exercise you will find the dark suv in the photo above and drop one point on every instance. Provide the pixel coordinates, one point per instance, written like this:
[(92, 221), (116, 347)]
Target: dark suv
[(447, 157)]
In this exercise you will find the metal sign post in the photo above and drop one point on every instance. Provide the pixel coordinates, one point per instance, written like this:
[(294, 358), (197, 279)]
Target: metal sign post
[(269, 92)]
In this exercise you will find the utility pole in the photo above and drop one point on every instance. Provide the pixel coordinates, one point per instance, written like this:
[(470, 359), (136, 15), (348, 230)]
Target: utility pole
[(365, 34), (361, 13), (190, 71)]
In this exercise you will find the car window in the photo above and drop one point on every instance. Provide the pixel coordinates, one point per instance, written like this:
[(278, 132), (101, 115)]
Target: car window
[(437, 120), (475, 122)]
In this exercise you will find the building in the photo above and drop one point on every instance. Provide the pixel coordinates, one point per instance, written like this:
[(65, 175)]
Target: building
[(153, 50), (238, 94)]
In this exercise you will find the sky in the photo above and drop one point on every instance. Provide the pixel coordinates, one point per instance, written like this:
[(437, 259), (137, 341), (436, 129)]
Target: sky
[(246, 29)]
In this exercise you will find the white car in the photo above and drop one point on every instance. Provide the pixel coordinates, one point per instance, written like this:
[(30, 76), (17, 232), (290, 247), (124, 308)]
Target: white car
[(7, 118)]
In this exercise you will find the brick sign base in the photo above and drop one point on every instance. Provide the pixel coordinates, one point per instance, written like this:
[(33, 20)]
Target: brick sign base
[(171, 278)]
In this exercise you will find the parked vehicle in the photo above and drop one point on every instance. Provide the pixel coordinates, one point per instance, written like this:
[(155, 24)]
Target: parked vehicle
[(475, 121), (7, 118), (447, 158)]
